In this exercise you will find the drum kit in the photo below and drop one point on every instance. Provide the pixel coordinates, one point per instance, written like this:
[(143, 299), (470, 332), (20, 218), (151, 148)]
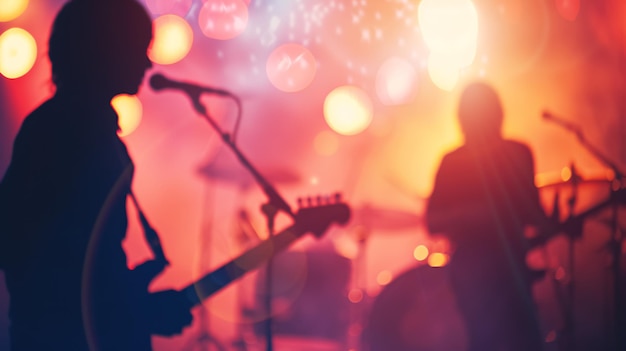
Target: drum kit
[(414, 312)]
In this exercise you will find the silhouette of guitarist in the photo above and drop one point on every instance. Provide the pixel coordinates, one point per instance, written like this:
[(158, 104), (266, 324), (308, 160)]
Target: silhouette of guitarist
[(63, 198), (483, 200)]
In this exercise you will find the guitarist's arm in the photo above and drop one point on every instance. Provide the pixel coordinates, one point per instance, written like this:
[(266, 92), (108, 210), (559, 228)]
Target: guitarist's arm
[(164, 312), (167, 312)]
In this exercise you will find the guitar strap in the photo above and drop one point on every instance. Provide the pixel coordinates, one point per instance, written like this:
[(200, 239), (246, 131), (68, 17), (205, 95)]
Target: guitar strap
[(151, 236)]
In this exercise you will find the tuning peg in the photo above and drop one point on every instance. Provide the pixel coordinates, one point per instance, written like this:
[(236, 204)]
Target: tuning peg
[(327, 200), (337, 197), (318, 200)]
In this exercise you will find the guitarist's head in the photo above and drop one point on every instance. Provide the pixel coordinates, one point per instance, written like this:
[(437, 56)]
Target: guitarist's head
[(100, 47), (480, 113)]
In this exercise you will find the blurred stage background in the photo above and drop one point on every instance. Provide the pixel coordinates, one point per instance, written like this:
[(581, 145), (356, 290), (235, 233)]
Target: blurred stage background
[(357, 97)]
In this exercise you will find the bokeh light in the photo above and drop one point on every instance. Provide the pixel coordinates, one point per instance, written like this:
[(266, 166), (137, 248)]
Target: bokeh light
[(291, 67), (175, 7), (355, 295), (450, 31), (396, 82), (450, 27), (443, 71), (18, 52), (566, 174), (420, 253), (348, 110), (384, 277), (129, 111), (568, 9), (12, 9), (223, 19), (438, 259), (172, 40)]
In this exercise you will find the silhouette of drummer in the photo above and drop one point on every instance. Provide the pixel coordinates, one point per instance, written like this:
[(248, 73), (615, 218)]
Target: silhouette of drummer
[(63, 198), (484, 200)]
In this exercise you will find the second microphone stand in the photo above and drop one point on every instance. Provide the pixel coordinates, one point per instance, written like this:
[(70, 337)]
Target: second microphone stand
[(616, 242)]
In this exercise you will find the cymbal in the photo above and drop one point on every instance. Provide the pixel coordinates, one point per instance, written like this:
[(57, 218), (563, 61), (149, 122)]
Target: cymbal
[(228, 169), (579, 182), (385, 218)]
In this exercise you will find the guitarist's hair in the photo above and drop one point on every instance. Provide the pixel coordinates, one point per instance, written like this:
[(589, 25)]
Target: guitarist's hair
[(480, 111), (88, 35)]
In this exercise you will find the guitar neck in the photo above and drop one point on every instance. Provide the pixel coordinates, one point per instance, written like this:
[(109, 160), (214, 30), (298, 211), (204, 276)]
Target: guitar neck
[(235, 269)]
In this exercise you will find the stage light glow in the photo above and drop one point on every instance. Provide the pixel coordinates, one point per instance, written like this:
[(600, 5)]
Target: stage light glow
[(223, 19), (326, 143), (174, 7), (129, 111), (346, 247), (443, 71), (449, 26), (172, 40), (348, 110), (12, 9), (450, 31), (18, 52), (291, 67), (568, 9), (438, 259), (396, 82), (420, 253)]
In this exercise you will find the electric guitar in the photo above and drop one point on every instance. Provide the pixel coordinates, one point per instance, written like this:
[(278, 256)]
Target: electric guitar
[(315, 218)]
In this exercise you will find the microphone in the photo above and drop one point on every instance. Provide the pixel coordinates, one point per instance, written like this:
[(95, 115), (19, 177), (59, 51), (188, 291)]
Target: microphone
[(160, 82), (563, 123)]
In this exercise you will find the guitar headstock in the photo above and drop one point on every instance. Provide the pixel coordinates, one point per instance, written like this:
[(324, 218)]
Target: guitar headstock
[(316, 214)]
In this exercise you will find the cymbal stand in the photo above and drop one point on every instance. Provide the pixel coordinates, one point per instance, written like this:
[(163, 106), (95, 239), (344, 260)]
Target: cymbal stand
[(204, 338), (359, 285), (615, 243), (560, 297), (569, 327), (246, 236), (270, 209), (615, 248)]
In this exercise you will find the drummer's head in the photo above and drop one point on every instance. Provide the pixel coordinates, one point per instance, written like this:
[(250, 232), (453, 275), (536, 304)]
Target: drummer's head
[(480, 113)]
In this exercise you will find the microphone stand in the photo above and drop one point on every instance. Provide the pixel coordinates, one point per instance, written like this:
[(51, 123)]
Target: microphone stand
[(270, 209), (615, 243), (571, 288)]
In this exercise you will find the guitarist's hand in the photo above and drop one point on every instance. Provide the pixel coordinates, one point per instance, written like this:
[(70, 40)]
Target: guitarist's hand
[(167, 312)]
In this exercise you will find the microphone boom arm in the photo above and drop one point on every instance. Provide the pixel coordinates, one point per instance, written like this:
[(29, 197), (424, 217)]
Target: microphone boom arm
[(619, 175), (274, 198)]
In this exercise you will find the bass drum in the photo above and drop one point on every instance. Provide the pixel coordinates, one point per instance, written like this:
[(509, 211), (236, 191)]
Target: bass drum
[(415, 312)]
